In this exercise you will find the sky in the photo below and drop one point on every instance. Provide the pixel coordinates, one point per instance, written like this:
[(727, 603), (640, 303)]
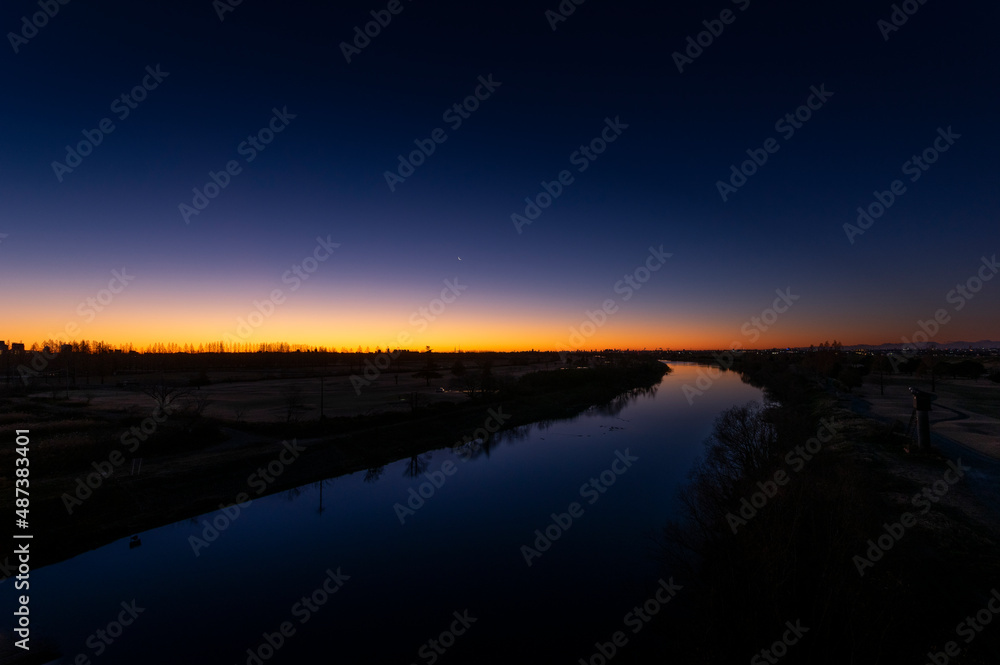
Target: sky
[(188, 172)]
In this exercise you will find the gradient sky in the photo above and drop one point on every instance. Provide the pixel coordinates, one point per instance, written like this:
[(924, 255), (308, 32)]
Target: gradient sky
[(323, 175)]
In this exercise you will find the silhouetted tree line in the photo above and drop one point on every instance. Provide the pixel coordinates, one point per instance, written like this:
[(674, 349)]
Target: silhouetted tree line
[(88, 363)]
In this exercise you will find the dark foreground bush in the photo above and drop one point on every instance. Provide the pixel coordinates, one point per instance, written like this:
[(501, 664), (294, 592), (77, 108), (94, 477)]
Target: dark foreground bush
[(771, 532)]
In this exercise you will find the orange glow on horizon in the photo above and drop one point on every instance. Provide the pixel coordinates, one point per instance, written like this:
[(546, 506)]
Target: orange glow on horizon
[(525, 337), (310, 322)]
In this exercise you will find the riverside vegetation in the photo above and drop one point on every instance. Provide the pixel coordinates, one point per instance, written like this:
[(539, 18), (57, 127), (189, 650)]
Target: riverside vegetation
[(192, 462), (803, 511)]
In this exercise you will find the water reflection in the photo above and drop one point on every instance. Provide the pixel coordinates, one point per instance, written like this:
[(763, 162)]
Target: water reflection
[(373, 473), (416, 465), (506, 486), (618, 404)]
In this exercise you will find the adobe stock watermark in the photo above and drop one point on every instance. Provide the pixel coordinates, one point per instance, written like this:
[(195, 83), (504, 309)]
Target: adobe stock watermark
[(90, 307), (636, 619), (900, 14), (795, 459), (768, 317), (592, 490), (753, 328), (253, 145), (779, 648), (786, 125), (122, 106), (294, 277), (434, 480), (473, 443), (23, 612), (581, 158), (363, 38), (434, 648), (130, 440), (101, 639), (455, 115), (914, 167), (37, 21), (88, 310), (958, 297), (626, 288), (421, 318), (894, 532), (302, 610), (968, 628), (223, 7), (562, 13), (713, 30), (259, 480)]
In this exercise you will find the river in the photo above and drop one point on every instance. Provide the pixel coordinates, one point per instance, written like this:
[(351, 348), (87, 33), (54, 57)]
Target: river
[(359, 569)]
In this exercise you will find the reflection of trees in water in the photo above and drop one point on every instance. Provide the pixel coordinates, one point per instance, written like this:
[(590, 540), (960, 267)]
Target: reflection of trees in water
[(416, 465), (519, 433), (373, 473), (543, 425), (618, 404), (296, 493), (483, 448), (321, 507)]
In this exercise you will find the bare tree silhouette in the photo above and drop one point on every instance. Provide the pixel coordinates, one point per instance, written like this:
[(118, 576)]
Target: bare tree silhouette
[(167, 397), (416, 466)]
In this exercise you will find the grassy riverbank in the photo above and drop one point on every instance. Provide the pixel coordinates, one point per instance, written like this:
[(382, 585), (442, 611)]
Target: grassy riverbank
[(810, 514), (192, 463)]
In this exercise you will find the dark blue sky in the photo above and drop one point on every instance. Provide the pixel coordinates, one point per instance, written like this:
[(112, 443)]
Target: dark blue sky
[(656, 184)]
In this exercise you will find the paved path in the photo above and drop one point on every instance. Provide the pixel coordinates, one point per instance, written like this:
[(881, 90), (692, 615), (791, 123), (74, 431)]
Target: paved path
[(983, 479)]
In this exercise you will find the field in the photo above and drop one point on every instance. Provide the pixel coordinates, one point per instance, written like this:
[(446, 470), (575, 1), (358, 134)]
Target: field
[(107, 461), (965, 410)]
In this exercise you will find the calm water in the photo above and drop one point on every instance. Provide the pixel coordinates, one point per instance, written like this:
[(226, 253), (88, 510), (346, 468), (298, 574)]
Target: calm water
[(400, 585)]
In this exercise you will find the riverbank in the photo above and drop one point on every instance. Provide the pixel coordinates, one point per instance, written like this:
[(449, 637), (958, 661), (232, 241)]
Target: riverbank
[(963, 410), (192, 464), (824, 520)]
